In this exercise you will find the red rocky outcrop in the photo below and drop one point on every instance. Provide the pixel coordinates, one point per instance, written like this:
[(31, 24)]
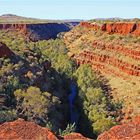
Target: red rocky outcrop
[(24, 130), (90, 25), (21, 130), (129, 131), (112, 28), (5, 51), (122, 28), (91, 58), (17, 27), (135, 54)]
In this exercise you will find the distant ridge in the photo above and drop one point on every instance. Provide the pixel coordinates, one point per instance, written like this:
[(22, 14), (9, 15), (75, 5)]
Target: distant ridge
[(12, 18), (115, 19), (8, 15)]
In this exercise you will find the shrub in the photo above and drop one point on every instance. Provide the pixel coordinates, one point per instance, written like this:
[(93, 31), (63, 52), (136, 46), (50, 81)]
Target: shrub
[(102, 125), (7, 115), (92, 101), (69, 129), (33, 102)]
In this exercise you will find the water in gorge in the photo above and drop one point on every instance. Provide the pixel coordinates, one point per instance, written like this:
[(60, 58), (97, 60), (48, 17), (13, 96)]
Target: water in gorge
[(73, 113)]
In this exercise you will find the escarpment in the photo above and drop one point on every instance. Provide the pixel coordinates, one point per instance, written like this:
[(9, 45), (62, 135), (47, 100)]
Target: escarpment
[(113, 28), (35, 32), (93, 58)]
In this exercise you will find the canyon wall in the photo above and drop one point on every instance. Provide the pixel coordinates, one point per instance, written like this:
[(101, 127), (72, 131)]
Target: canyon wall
[(43, 31), (112, 28), (101, 62), (105, 63)]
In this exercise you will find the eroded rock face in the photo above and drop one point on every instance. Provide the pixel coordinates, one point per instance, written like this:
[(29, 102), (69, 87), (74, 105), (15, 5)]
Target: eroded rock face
[(129, 131), (35, 32), (21, 130), (5, 51), (123, 28), (93, 58), (112, 28)]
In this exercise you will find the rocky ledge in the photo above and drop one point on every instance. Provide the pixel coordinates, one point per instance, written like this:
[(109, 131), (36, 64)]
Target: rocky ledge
[(123, 28), (129, 131), (21, 130)]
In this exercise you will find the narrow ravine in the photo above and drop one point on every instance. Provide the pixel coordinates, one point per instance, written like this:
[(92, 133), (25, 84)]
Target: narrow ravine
[(73, 113)]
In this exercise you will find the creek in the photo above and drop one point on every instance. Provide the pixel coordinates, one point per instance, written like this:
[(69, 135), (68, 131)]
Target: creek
[(74, 116)]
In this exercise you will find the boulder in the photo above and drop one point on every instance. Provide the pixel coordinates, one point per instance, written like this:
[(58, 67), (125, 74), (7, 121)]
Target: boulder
[(21, 130), (128, 131)]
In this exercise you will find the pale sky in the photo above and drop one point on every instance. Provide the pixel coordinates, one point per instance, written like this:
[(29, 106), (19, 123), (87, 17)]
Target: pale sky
[(71, 9)]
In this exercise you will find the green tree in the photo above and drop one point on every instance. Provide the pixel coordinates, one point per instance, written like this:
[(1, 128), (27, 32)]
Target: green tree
[(93, 101), (86, 77), (41, 107), (7, 115), (33, 102)]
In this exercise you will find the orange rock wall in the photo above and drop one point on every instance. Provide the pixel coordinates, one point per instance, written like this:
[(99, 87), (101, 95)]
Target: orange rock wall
[(90, 25), (91, 58), (19, 27), (112, 28), (135, 54)]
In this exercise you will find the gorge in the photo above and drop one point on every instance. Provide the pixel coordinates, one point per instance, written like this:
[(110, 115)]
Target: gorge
[(39, 31), (86, 73)]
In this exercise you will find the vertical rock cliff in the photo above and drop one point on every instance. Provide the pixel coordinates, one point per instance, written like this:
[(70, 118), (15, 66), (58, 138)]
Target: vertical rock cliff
[(39, 31)]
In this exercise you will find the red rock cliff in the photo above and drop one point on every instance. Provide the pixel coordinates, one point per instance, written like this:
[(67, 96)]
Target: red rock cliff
[(40, 31), (112, 28)]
